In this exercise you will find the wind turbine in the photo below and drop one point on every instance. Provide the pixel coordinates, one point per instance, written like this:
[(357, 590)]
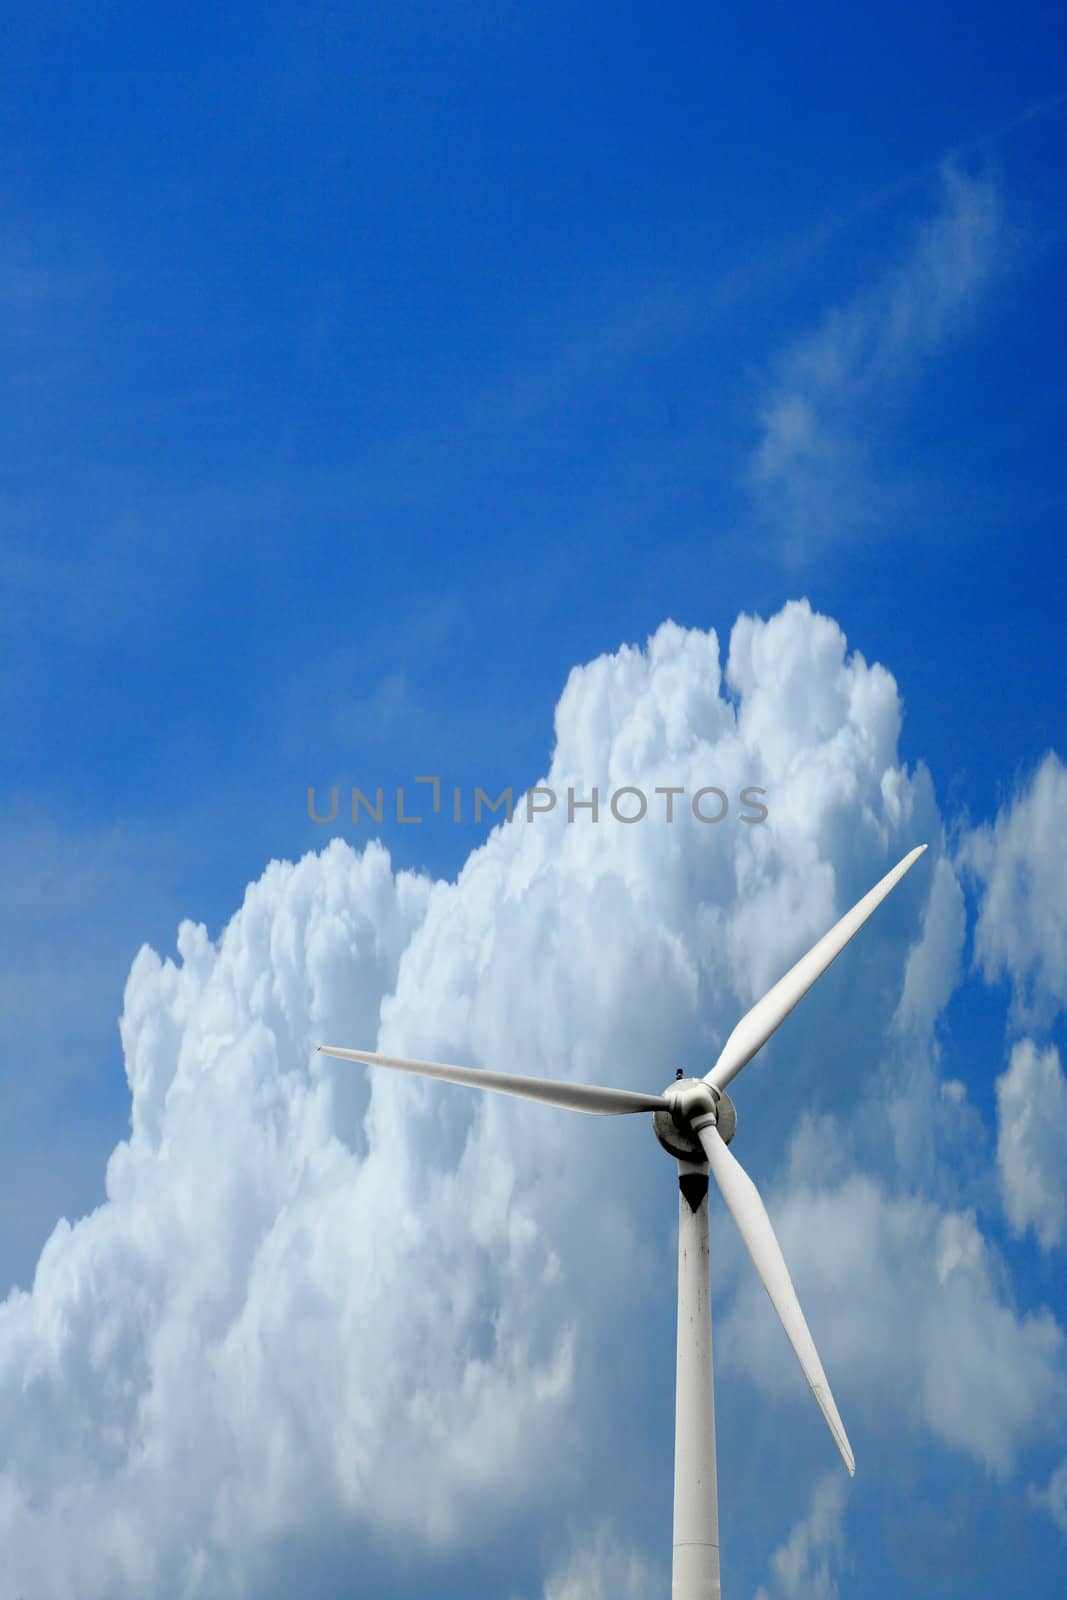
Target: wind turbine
[(694, 1120)]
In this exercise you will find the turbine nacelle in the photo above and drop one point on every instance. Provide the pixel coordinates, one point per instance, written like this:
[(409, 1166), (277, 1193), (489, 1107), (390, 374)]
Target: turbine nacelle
[(692, 1104)]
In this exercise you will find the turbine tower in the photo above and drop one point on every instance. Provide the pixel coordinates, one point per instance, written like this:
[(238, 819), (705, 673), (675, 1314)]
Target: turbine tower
[(694, 1120)]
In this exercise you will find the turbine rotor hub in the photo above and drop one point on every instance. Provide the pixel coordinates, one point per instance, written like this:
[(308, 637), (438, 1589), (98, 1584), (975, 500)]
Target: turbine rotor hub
[(693, 1104)]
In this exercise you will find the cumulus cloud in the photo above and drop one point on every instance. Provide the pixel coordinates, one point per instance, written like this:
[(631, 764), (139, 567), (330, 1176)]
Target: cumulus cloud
[(1032, 1142), (812, 472), (327, 1316), (1020, 867), (805, 1566)]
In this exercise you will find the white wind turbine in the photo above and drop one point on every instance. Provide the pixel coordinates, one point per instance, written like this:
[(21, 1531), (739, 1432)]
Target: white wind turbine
[(694, 1120)]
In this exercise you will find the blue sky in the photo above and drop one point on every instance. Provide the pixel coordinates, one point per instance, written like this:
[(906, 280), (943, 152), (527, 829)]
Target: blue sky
[(364, 376)]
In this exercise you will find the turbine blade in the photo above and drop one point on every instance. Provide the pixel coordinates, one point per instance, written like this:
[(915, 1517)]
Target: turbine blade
[(748, 1211), (574, 1096), (757, 1025)]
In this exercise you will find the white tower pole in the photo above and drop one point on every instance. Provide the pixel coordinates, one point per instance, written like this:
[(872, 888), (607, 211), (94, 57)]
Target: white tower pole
[(695, 1572)]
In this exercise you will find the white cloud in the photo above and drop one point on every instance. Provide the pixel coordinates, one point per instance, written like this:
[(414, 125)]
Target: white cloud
[(324, 1309), (933, 969), (1021, 868), (1054, 1497), (805, 1567), (812, 472), (603, 1567), (1032, 1142)]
